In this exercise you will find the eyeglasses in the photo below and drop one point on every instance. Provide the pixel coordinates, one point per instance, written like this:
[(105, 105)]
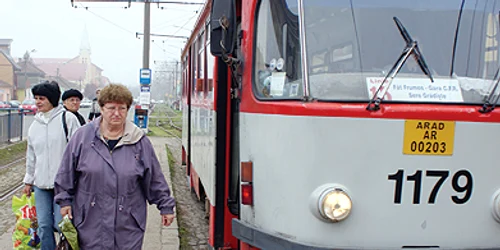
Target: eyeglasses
[(113, 109), (73, 100)]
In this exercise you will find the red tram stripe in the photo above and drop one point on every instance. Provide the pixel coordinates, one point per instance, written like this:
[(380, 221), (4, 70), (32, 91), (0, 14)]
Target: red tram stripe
[(387, 111)]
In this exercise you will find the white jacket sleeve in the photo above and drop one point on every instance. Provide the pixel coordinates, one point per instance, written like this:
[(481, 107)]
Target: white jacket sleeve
[(29, 177), (73, 124)]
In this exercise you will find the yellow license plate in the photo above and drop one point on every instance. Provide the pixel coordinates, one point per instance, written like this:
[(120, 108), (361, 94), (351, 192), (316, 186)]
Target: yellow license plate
[(423, 137)]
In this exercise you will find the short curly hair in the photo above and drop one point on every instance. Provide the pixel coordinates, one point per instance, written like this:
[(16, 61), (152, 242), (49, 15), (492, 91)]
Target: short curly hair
[(115, 93)]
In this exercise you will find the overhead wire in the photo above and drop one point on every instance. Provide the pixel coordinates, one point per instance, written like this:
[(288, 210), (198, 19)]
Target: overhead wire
[(180, 28), (164, 50), (111, 22), (174, 20)]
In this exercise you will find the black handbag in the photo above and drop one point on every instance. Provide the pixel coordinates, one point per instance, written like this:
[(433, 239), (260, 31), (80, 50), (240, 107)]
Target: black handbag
[(63, 243)]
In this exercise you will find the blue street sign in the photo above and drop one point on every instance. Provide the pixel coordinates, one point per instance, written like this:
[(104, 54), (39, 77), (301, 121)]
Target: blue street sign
[(145, 89), (145, 76)]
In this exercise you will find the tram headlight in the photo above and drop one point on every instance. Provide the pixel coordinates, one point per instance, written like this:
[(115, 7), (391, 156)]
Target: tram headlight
[(332, 203), (496, 206)]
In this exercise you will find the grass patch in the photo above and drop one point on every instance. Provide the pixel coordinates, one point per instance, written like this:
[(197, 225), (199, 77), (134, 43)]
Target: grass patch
[(159, 123), (171, 160), (163, 131), (12, 152), (183, 232), (171, 131), (156, 131)]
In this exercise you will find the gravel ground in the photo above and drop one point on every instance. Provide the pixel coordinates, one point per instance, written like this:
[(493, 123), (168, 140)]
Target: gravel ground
[(193, 225)]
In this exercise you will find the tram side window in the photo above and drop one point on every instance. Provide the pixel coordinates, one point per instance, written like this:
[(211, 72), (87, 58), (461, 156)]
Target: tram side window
[(277, 61), (199, 68), (193, 69), (183, 77), (202, 70), (183, 81), (210, 74), (205, 74), (186, 76), (210, 68)]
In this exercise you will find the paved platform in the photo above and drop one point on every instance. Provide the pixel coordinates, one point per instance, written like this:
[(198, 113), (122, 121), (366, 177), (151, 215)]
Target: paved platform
[(157, 236)]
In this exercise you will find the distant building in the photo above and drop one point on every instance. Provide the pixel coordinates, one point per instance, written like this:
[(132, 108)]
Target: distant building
[(78, 70), (64, 84), (8, 69), (27, 77)]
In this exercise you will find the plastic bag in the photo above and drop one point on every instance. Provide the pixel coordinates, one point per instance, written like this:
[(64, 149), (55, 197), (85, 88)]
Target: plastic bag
[(63, 243), (69, 233), (24, 236)]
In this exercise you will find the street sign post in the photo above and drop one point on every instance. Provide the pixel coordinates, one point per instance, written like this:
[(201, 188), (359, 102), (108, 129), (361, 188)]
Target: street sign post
[(145, 97), (145, 76), (141, 116)]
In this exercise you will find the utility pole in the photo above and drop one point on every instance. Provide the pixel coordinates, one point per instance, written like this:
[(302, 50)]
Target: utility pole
[(141, 117), (147, 33)]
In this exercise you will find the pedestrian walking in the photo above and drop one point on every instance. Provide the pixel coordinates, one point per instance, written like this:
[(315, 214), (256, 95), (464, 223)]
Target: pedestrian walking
[(108, 174), (71, 99), (95, 109), (46, 144)]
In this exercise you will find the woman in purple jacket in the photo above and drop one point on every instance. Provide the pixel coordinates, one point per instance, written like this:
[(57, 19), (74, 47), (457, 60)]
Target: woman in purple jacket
[(108, 172)]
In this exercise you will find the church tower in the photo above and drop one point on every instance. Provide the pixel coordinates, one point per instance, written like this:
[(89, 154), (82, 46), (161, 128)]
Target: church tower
[(85, 51), (84, 58)]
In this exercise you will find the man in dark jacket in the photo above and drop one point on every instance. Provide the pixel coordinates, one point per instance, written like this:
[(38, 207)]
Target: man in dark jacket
[(95, 110), (71, 99)]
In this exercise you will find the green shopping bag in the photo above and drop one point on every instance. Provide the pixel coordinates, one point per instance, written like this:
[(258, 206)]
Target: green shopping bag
[(24, 236), (69, 232)]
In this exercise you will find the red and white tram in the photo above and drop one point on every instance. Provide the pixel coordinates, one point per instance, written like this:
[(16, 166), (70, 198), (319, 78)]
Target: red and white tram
[(345, 124)]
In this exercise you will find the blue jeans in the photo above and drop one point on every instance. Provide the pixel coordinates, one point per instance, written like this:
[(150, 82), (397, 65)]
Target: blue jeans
[(49, 215)]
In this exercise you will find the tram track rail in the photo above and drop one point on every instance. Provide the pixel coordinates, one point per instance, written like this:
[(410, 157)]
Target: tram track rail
[(170, 120), (5, 194), (10, 164), (172, 134), (15, 183), (165, 121)]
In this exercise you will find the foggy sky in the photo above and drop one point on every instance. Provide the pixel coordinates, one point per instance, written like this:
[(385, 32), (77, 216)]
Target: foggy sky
[(55, 29)]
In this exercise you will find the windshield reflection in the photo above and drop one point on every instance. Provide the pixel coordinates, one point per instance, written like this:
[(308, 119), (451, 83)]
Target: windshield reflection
[(352, 44), (346, 45)]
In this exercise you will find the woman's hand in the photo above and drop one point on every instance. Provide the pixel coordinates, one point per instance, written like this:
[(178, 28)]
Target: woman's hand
[(66, 210), (27, 190), (167, 219)]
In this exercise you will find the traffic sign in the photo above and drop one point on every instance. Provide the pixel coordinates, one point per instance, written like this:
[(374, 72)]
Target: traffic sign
[(145, 96), (145, 76)]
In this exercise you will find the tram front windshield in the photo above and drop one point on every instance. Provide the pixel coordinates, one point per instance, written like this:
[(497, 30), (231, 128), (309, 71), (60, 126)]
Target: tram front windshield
[(351, 45)]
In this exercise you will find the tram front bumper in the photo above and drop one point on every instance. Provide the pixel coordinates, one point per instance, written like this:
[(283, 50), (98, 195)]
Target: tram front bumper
[(260, 239), (263, 240)]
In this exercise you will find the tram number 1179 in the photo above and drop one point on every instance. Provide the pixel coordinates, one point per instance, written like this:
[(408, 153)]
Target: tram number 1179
[(441, 176)]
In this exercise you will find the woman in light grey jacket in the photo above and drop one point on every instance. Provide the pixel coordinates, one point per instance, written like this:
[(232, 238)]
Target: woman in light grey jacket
[(46, 143)]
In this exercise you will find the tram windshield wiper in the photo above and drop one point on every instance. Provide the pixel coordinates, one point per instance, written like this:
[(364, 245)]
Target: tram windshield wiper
[(411, 48), (491, 101)]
